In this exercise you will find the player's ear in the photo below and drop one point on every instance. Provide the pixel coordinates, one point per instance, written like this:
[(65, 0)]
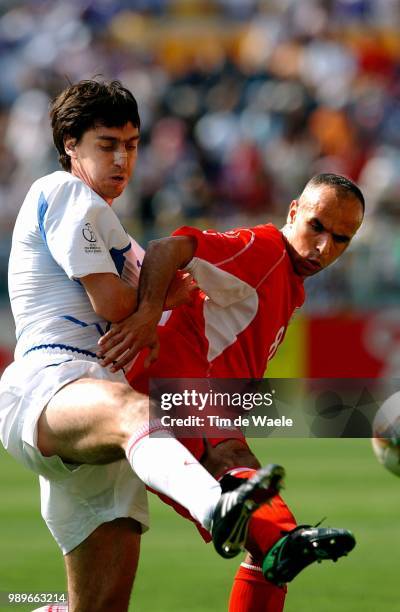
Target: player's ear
[(293, 208), (70, 146)]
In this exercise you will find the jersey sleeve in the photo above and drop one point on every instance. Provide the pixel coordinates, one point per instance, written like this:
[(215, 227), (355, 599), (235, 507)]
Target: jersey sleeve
[(138, 251), (217, 247), (229, 266), (80, 230), (133, 264)]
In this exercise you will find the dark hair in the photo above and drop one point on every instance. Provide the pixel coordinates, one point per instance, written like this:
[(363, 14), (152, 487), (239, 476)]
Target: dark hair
[(340, 183), (82, 106)]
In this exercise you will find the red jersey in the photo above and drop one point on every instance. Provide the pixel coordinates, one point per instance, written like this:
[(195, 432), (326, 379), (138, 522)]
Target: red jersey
[(235, 324)]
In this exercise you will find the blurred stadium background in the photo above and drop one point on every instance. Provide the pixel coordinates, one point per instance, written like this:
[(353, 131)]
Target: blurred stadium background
[(241, 102)]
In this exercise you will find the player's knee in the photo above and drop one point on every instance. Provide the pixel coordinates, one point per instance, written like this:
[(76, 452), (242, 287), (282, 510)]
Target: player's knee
[(242, 456), (131, 409), (227, 455)]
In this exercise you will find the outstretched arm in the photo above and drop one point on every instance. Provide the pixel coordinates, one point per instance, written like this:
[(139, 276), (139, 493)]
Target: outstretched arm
[(124, 340)]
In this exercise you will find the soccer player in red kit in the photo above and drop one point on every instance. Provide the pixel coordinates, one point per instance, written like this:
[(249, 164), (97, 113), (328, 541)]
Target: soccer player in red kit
[(251, 281)]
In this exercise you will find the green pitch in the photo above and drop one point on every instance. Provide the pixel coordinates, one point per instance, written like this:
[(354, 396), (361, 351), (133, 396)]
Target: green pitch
[(339, 479)]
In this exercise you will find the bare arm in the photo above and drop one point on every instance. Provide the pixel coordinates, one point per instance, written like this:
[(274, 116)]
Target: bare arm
[(163, 258), (111, 298)]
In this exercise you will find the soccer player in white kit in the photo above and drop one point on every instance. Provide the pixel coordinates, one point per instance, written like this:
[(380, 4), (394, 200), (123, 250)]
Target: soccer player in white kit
[(72, 272)]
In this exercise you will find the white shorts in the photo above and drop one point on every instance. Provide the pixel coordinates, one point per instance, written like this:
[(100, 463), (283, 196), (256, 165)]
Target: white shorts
[(74, 499)]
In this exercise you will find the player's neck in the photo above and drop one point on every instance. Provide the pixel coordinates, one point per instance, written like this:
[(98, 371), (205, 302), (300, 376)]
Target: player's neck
[(289, 248), (82, 176)]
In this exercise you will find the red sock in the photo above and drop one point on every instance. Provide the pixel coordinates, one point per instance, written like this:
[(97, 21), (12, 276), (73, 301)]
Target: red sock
[(252, 593), (267, 523)]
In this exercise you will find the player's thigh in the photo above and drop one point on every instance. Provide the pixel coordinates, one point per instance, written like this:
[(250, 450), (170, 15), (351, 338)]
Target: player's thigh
[(102, 569), (89, 420)]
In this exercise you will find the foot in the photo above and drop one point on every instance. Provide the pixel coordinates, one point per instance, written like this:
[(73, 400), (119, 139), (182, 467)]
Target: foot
[(234, 509), (301, 547)]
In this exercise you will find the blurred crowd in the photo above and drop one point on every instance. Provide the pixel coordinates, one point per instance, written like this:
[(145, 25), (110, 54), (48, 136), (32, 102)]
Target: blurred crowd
[(241, 102)]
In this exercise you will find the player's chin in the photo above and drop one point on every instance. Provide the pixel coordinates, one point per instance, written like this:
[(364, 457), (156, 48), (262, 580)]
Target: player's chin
[(313, 272), (305, 269), (116, 189)]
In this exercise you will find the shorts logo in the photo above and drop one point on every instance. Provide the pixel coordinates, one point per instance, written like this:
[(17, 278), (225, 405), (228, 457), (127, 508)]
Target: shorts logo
[(88, 233)]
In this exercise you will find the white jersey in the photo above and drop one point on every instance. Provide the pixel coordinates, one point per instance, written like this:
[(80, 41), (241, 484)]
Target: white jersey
[(64, 231)]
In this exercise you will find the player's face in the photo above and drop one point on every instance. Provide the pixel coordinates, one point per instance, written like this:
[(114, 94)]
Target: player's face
[(105, 158), (319, 228)]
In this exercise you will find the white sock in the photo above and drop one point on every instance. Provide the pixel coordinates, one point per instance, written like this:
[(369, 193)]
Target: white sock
[(164, 464)]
